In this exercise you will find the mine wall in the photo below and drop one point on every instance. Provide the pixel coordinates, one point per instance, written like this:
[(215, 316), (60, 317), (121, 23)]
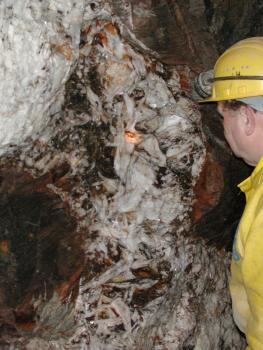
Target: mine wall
[(118, 191)]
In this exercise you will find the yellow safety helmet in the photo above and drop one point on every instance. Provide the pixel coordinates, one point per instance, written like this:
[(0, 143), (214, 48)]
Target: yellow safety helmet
[(238, 72)]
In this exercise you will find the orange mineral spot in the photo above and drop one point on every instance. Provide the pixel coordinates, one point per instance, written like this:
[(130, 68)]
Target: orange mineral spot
[(4, 247), (132, 136)]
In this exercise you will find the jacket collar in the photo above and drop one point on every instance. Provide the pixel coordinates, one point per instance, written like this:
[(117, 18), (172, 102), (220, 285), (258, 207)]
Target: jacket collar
[(255, 179)]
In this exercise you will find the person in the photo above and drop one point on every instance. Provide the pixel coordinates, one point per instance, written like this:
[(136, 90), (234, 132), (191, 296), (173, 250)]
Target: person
[(237, 87)]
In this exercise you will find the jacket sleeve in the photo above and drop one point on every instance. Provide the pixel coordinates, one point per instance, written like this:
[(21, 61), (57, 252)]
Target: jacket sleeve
[(252, 272)]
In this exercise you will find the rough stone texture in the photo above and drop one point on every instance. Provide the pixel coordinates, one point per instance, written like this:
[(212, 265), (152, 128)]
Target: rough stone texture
[(120, 167), (176, 30), (46, 34), (230, 21), (39, 44), (190, 32)]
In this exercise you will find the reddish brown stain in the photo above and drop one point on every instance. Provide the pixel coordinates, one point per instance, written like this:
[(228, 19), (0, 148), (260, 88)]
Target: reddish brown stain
[(208, 187), (39, 243)]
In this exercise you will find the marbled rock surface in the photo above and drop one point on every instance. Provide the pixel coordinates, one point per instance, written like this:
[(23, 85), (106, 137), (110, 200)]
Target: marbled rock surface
[(117, 166), (39, 44)]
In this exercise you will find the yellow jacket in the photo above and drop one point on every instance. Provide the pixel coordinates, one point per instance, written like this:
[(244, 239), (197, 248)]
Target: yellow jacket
[(246, 282)]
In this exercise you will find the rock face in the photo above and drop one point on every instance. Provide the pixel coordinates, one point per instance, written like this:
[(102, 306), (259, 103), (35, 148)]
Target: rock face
[(39, 44), (113, 188), (177, 30)]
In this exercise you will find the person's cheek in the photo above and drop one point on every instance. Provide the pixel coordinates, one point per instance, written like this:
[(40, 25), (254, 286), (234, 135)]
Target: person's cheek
[(227, 134), (225, 129)]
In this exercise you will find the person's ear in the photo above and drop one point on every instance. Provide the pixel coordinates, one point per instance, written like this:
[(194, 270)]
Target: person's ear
[(249, 120)]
